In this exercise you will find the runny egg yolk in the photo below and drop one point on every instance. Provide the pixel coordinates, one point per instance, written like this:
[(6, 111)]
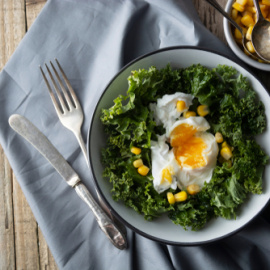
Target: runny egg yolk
[(187, 147)]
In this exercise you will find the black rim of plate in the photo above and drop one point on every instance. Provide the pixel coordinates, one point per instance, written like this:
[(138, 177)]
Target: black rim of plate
[(167, 242)]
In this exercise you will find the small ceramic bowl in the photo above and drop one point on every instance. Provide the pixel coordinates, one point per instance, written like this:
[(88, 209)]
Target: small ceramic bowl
[(162, 229), (234, 46)]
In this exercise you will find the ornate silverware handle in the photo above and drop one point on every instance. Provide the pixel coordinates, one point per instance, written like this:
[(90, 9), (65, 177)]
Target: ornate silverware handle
[(28, 131), (104, 222)]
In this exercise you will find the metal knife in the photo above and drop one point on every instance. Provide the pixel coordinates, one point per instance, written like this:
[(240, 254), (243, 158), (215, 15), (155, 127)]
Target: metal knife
[(28, 131)]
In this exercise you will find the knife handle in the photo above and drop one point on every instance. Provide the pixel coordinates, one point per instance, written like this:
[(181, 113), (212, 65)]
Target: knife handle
[(105, 223)]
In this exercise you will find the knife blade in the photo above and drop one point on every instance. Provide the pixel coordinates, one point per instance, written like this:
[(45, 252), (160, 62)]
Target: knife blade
[(33, 135)]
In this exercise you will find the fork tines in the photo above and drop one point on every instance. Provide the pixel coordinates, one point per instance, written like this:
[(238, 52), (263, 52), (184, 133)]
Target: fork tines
[(67, 98)]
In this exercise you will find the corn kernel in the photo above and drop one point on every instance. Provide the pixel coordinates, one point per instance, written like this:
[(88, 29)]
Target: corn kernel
[(137, 163), (203, 110), (234, 13), (188, 114), (238, 7), (180, 196), (238, 20), (143, 170), (265, 13), (250, 47), (225, 144), (242, 2), (244, 29), (237, 34), (249, 32), (250, 3), (246, 12), (264, 10), (193, 189), (170, 198), (180, 105), (251, 9), (219, 137), (226, 153), (263, 7), (135, 150), (247, 20), (266, 2)]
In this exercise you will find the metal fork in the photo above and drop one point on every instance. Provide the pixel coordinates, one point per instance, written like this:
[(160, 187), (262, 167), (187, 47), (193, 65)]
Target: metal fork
[(70, 113)]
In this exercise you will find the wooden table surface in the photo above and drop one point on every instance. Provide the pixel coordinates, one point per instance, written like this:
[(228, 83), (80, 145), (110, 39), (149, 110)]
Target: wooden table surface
[(22, 245)]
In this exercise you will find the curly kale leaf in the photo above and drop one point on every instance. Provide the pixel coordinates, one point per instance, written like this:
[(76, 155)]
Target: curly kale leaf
[(234, 111)]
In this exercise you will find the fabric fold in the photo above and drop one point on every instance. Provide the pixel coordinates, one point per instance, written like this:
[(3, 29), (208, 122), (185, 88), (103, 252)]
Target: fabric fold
[(93, 40)]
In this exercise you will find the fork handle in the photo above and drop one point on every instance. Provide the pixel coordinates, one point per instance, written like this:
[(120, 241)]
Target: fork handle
[(83, 148), (117, 238), (82, 145), (101, 202)]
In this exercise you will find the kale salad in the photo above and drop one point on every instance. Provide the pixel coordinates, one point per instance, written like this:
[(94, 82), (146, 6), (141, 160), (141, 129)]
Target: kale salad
[(232, 110)]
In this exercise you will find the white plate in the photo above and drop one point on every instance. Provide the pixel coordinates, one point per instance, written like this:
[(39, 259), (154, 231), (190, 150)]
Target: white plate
[(162, 229)]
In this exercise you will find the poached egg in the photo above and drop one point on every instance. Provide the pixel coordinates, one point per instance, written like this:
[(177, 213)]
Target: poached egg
[(186, 154)]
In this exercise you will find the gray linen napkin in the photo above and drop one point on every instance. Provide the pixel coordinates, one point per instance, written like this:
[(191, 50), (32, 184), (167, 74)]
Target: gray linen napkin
[(93, 40)]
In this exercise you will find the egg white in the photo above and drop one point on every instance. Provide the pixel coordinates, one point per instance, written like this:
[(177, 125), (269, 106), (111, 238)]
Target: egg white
[(165, 111), (163, 156), (198, 122), (188, 175)]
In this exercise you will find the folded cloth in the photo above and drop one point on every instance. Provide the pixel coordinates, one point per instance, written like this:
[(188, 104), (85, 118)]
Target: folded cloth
[(93, 40)]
